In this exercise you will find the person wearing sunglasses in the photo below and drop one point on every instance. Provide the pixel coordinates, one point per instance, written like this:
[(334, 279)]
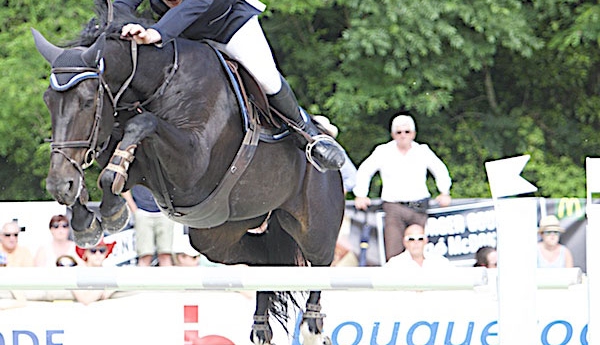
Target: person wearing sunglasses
[(94, 257), (552, 254), (403, 165), (16, 255), (59, 245), (415, 256)]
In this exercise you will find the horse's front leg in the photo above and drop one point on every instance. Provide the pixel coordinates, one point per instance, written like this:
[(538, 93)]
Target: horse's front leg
[(262, 334), (312, 322), (115, 173), (114, 211), (87, 230)]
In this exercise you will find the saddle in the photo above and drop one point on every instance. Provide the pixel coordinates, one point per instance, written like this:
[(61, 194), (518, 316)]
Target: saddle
[(253, 101)]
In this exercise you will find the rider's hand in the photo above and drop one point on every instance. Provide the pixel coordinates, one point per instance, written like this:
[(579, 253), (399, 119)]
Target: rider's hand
[(362, 202), (139, 34)]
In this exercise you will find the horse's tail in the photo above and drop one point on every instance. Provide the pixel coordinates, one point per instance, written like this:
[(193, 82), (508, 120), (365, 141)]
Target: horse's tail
[(284, 251)]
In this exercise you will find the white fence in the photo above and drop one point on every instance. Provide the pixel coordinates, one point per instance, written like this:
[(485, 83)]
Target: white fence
[(237, 278)]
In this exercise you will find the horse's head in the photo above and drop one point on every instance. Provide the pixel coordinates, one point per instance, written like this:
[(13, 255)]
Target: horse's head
[(81, 114)]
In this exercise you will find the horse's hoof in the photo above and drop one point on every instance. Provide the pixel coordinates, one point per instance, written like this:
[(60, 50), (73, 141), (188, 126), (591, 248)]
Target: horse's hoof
[(310, 338), (89, 237), (116, 222)]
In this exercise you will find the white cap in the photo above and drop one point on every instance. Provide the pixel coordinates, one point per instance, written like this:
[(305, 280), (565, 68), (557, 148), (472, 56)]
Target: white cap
[(186, 248), (403, 120)]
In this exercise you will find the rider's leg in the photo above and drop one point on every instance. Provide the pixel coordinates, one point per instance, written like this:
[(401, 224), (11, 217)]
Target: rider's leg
[(250, 47), (328, 154)]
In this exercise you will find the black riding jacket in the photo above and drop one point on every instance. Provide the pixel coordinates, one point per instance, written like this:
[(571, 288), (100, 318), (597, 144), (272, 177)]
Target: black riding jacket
[(217, 20)]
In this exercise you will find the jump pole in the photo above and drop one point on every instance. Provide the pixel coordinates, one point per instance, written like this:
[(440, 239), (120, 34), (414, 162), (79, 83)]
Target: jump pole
[(237, 278)]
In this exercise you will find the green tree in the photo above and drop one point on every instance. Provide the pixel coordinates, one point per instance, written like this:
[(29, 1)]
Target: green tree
[(484, 79)]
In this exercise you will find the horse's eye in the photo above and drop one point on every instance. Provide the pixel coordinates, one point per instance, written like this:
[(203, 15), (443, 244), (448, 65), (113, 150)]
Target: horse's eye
[(89, 103)]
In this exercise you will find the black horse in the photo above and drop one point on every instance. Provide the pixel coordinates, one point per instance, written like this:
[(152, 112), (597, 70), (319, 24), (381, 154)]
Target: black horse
[(170, 119)]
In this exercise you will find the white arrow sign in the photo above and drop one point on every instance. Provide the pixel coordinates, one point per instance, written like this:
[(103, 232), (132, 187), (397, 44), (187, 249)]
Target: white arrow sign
[(504, 177)]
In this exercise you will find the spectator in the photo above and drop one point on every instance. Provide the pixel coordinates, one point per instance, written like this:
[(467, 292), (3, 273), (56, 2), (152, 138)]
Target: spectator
[(486, 257), (94, 257), (186, 256), (153, 230), (68, 261), (414, 256), (2, 259), (343, 255), (48, 253), (552, 254), (16, 255), (403, 165)]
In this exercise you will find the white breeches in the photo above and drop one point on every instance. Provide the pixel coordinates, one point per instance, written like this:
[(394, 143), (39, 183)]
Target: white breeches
[(249, 46)]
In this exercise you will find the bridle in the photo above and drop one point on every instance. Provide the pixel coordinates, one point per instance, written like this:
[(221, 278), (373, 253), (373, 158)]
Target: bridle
[(83, 73)]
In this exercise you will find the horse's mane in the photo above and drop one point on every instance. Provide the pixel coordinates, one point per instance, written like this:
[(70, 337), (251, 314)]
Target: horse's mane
[(100, 23)]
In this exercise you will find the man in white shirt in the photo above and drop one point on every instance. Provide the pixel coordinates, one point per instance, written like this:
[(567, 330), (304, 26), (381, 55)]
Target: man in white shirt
[(415, 256), (403, 165)]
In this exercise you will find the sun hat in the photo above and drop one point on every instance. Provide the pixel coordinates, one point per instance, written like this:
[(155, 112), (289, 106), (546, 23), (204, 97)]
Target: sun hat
[(550, 223), (329, 127), (109, 248)]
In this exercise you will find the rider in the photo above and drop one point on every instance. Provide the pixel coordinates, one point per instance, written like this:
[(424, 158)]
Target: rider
[(233, 27)]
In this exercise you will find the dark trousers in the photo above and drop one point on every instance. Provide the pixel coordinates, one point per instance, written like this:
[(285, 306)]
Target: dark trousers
[(397, 218)]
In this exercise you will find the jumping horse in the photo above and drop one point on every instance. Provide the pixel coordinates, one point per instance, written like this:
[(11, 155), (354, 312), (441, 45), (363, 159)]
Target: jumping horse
[(172, 119)]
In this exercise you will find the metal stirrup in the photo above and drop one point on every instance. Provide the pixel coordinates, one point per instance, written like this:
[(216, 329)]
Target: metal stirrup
[(311, 144)]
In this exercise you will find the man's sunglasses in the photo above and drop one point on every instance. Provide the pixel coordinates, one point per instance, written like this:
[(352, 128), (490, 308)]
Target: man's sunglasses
[(101, 250), (415, 238)]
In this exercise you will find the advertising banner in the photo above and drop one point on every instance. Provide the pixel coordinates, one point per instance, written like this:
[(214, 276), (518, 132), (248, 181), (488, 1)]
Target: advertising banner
[(353, 318)]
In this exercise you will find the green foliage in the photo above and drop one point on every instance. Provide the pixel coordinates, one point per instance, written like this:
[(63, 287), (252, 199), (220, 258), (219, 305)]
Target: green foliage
[(484, 79)]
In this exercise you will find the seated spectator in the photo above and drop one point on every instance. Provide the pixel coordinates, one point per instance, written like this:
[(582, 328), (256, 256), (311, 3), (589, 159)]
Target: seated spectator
[(16, 255), (414, 255), (186, 256), (486, 257), (552, 254), (343, 255), (94, 257), (67, 261), (59, 245)]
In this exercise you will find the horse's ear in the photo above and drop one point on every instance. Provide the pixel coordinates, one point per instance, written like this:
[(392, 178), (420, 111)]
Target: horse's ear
[(93, 54), (49, 51)]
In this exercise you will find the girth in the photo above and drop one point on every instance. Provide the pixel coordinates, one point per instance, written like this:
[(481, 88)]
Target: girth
[(215, 209)]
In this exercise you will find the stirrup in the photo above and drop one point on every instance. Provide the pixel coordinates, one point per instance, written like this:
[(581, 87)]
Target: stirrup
[(311, 145)]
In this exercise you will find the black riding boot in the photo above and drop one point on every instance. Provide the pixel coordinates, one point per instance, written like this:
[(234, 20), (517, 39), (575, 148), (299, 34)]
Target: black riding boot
[(328, 154)]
